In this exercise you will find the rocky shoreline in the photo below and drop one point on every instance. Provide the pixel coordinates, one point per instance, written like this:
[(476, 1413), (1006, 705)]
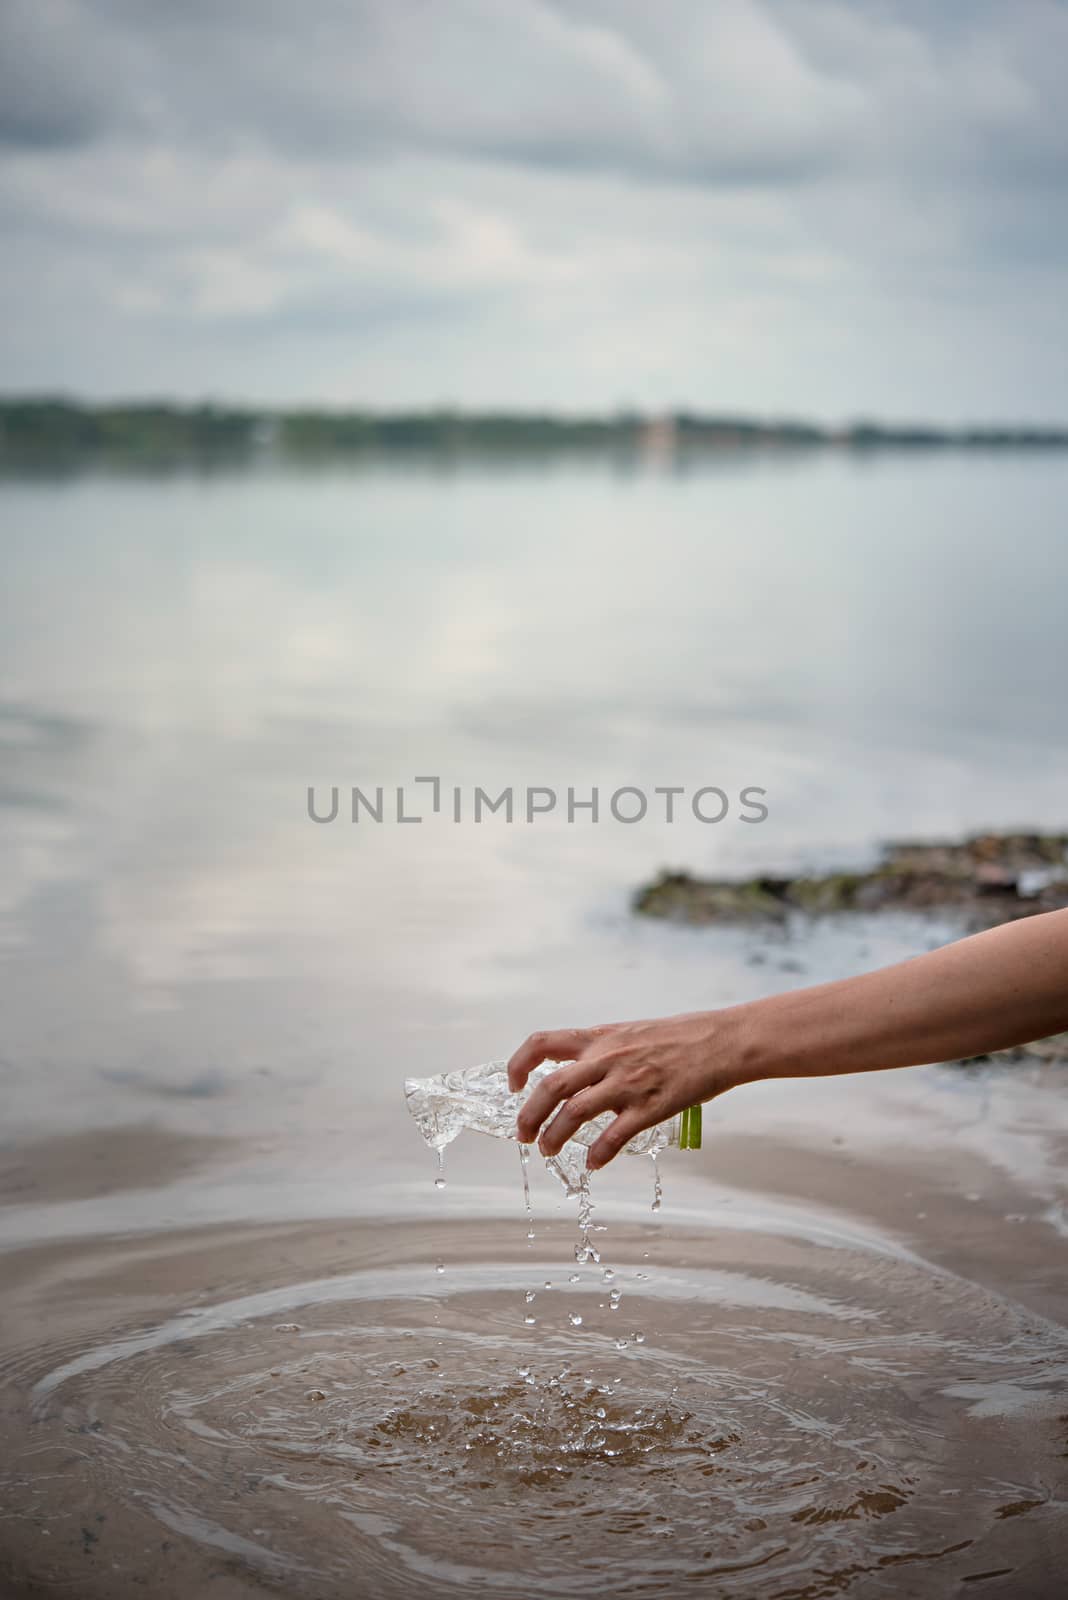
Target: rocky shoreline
[(984, 880)]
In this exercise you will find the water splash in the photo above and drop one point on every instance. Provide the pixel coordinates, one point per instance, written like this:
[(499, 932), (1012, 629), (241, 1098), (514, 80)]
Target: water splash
[(658, 1187), (479, 1098)]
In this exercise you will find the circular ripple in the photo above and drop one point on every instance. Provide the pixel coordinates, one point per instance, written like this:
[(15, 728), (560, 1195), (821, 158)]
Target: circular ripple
[(755, 1417)]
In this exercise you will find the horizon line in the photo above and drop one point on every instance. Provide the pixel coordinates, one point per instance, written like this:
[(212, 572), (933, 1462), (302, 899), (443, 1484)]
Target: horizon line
[(619, 416)]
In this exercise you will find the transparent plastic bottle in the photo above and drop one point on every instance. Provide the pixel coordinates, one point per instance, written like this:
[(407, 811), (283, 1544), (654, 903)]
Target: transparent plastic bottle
[(479, 1098)]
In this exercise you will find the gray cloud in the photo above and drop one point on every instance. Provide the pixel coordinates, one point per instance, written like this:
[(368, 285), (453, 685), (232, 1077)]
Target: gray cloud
[(52, 94), (738, 91), (512, 80), (531, 202)]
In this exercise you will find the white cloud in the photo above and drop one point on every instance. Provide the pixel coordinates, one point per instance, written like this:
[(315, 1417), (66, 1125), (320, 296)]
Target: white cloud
[(810, 206)]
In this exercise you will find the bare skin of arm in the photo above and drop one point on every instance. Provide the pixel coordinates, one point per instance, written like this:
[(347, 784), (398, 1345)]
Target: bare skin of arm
[(1003, 987)]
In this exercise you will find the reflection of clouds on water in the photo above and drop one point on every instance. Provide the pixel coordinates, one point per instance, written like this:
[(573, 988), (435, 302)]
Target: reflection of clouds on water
[(41, 754), (238, 639)]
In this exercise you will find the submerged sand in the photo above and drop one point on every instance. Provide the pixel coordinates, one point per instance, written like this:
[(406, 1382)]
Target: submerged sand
[(852, 1377)]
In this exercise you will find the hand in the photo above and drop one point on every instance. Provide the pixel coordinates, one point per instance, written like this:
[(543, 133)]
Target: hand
[(643, 1071)]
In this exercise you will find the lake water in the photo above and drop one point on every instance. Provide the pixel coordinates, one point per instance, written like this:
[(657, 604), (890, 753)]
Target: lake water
[(210, 1003)]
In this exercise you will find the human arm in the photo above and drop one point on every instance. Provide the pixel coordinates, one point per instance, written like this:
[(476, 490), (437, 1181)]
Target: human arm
[(1002, 987)]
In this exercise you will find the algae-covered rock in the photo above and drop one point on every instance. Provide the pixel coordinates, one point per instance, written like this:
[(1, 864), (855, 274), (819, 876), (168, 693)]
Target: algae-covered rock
[(1053, 1050), (985, 879), (678, 897)]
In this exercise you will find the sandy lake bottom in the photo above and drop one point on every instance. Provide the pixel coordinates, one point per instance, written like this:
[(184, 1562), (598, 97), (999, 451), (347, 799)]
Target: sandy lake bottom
[(788, 1403)]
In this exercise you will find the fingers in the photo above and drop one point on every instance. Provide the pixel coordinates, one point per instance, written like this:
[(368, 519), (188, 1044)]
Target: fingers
[(547, 1095), (615, 1136), (577, 1109), (561, 1044)]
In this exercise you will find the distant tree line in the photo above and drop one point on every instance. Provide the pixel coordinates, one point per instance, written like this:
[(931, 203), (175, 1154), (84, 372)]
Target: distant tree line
[(50, 430)]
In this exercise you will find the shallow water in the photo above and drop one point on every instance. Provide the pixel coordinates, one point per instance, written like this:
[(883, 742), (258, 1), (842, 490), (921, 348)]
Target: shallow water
[(761, 1416), (228, 1360)]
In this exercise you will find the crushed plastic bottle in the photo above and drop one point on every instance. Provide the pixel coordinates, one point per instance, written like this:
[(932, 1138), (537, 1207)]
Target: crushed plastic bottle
[(479, 1098)]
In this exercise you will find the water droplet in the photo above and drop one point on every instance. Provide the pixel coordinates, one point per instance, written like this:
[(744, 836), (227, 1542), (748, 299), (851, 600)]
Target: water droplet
[(614, 1298), (529, 1320), (287, 1327), (658, 1188), (575, 1319), (620, 1344), (439, 1183), (639, 1337), (440, 1267), (607, 1275), (575, 1278), (315, 1395), (548, 1283), (529, 1296)]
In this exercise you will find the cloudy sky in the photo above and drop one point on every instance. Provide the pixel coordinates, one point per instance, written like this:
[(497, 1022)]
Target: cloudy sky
[(827, 207)]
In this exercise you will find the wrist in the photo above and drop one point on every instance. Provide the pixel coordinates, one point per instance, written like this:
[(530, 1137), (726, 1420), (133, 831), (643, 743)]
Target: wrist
[(762, 1041)]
